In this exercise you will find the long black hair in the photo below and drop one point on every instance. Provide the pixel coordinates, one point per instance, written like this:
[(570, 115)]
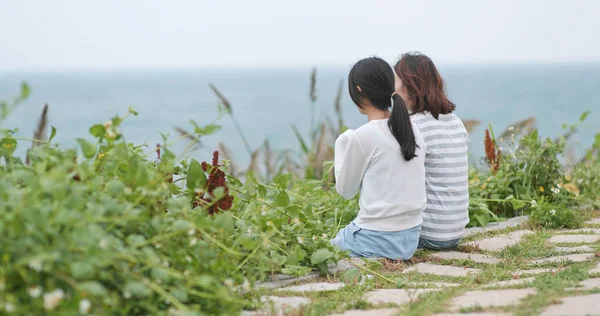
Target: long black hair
[(375, 78)]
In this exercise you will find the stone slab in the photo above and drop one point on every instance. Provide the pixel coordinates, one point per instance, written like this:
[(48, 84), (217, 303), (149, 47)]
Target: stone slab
[(589, 284), (371, 312), (288, 281), (281, 305), (595, 221), (436, 269), (535, 271), (346, 264), (395, 296), (473, 314), (573, 249), (498, 243), (562, 239), (511, 222), (595, 269), (515, 282), (314, 287), (581, 231), (575, 306), (431, 284), (475, 257), (579, 257), (492, 298)]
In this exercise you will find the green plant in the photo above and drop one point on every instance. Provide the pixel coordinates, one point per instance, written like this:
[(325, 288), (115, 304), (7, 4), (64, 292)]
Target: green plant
[(553, 215)]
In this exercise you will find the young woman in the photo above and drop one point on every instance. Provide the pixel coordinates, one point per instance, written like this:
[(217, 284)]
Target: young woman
[(385, 160), (446, 151)]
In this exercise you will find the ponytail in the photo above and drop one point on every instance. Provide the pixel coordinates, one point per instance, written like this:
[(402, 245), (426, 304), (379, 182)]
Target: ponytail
[(375, 78), (401, 127)]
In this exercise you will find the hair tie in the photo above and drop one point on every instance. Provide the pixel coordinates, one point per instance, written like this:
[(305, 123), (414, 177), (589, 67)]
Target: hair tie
[(392, 100)]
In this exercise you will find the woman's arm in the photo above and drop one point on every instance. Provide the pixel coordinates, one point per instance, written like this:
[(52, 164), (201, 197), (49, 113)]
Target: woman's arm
[(350, 165)]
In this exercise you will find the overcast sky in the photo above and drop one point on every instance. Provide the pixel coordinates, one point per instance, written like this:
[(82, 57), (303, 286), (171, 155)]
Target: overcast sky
[(76, 34)]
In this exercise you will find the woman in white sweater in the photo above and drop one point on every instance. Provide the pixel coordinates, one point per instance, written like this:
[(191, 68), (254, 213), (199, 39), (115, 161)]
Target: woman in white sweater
[(385, 160)]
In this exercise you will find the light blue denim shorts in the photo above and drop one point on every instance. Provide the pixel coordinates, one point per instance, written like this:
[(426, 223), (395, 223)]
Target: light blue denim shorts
[(399, 245)]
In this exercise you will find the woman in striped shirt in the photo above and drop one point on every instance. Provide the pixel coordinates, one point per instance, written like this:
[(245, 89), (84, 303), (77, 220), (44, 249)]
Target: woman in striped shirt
[(446, 151)]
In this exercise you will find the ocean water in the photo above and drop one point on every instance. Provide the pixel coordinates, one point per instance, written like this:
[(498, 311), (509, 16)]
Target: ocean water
[(267, 102)]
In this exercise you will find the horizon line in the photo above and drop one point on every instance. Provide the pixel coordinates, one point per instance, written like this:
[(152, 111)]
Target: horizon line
[(277, 66)]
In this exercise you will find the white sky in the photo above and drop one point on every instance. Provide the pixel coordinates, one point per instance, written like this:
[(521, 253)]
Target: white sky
[(81, 34)]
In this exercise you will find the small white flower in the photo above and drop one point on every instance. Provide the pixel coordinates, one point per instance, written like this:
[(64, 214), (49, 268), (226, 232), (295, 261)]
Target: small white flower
[(324, 235), (191, 232), (228, 283), (127, 294), (9, 307), (552, 212), (534, 203), (103, 243), (314, 238), (559, 186), (34, 291), (555, 190), (193, 241), (579, 181), (510, 128), (85, 306), (297, 221), (35, 265), (107, 124), (158, 245), (249, 231), (263, 213), (300, 240), (188, 258), (52, 299)]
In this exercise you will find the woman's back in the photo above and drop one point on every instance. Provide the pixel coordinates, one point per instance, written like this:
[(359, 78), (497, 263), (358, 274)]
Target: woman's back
[(392, 189), (446, 181)]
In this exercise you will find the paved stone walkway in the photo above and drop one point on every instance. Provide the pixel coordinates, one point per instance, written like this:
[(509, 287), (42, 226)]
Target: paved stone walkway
[(457, 275)]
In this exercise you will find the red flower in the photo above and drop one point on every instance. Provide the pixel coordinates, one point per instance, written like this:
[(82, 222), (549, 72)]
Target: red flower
[(216, 179), (492, 154)]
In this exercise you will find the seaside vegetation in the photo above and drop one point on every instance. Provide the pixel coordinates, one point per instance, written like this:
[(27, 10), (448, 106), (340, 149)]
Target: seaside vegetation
[(119, 228)]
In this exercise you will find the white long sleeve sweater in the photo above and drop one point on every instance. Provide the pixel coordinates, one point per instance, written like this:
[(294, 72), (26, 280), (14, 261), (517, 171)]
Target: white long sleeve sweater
[(393, 192)]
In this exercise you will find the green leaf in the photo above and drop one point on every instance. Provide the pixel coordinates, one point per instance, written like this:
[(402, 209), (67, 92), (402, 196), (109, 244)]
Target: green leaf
[(296, 270), (282, 180), (98, 130), (138, 289), (207, 130), (584, 115), (81, 270), (262, 191), (401, 282), (300, 139), (132, 111), (482, 219), (282, 199), (351, 276), (321, 256), (94, 288), (196, 178), (25, 91), (8, 145), (88, 149), (52, 134)]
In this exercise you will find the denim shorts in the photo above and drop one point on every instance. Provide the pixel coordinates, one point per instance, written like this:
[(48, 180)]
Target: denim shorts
[(438, 245), (399, 245)]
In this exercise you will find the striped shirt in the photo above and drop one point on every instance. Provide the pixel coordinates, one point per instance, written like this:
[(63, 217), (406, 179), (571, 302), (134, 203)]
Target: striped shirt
[(446, 176)]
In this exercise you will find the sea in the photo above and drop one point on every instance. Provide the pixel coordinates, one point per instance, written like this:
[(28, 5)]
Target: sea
[(267, 102)]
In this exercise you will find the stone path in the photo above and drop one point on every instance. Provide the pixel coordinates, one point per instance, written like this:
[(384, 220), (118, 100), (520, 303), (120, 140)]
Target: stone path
[(500, 242), (458, 276)]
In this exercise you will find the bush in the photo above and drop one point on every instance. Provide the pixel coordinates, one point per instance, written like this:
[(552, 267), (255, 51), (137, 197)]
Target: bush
[(111, 232), (551, 215)]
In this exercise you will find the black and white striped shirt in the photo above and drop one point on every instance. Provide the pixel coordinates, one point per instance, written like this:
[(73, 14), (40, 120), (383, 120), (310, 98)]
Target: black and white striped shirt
[(447, 176)]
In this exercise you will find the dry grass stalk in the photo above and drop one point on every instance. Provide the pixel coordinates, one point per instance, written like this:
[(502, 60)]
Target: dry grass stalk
[(338, 104), (40, 132), (268, 159), (194, 141), (470, 125), (253, 166), (323, 150), (522, 127), (468, 248), (225, 154), (313, 85), (221, 97)]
